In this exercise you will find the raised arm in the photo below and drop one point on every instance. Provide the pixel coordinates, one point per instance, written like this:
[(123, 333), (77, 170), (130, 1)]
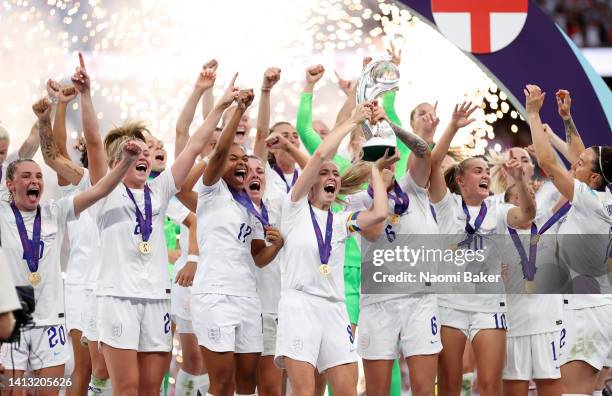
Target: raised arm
[(349, 88), (277, 141), (459, 119), (377, 213), (130, 151), (525, 213), (271, 77), (559, 144), (545, 154), (572, 137), (30, 145), (96, 157), (326, 150), (185, 276), (184, 162), (203, 84), (308, 135), (214, 170), (64, 96), (186, 195), (51, 153)]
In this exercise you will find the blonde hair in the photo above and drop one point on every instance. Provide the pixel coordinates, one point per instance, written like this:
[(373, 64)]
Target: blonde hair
[(115, 138), (4, 135), (354, 178), (499, 177)]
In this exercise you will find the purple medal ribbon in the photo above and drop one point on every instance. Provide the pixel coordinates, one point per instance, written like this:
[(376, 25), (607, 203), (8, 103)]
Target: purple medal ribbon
[(243, 199), (282, 175), (477, 223), (401, 199), (31, 250), (144, 223), (324, 247), (529, 263)]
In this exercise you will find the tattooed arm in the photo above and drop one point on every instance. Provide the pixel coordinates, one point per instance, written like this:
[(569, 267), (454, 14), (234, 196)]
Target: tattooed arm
[(572, 137), (51, 152)]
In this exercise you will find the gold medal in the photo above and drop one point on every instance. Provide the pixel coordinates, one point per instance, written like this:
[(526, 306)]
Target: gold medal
[(453, 246), (34, 278), (325, 269), (144, 247), (535, 239), (394, 218), (530, 287)]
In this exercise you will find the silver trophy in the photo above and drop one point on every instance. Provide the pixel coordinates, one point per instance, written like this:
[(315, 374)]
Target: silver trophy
[(379, 76)]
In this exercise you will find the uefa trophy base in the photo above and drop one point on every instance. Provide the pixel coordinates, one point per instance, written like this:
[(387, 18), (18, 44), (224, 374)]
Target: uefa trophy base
[(373, 153)]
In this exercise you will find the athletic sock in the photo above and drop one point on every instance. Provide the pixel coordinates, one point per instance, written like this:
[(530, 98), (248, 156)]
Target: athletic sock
[(99, 387), (186, 384), (203, 383), (466, 384), (598, 393)]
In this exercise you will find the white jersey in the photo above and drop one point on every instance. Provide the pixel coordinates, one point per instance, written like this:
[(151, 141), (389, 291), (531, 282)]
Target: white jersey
[(591, 217), (225, 232), (126, 272), (300, 260), (451, 220), (4, 192), (275, 185), (84, 241), (530, 314), (48, 295), (269, 277), (417, 220)]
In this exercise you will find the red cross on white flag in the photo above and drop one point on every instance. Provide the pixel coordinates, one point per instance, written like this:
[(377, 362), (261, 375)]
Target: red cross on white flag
[(480, 26)]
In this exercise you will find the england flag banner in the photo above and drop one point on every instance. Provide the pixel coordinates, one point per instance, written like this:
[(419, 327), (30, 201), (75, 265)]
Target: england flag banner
[(480, 26)]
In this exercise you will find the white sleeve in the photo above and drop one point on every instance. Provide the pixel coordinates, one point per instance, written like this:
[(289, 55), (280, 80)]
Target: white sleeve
[(445, 213), (291, 212), (206, 193), (177, 212), (502, 218), (585, 199), (83, 185), (8, 296), (408, 185), (164, 185), (358, 201), (63, 210)]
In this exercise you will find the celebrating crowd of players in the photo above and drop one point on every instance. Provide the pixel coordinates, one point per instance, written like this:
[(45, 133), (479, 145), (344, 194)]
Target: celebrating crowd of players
[(267, 267)]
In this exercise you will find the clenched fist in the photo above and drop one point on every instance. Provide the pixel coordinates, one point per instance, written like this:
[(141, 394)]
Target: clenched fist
[(42, 109), (271, 77)]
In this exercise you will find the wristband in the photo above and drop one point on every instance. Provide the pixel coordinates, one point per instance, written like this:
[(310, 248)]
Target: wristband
[(193, 257)]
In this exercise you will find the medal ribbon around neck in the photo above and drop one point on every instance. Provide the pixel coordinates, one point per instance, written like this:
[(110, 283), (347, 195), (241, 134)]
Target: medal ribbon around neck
[(528, 264), (324, 246), (482, 213), (144, 222), (282, 175), (31, 249), (401, 199), (243, 199)]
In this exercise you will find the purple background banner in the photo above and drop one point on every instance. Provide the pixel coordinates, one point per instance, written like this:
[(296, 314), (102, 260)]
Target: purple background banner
[(541, 55)]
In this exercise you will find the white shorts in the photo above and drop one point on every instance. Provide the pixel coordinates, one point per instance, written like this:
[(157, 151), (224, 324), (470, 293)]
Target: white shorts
[(75, 307), (90, 316), (270, 326), (226, 323), (533, 357), (408, 324), (587, 335), (313, 330), (39, 347), (470, 323), (183, 326), (140, 324), (180, 298)]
